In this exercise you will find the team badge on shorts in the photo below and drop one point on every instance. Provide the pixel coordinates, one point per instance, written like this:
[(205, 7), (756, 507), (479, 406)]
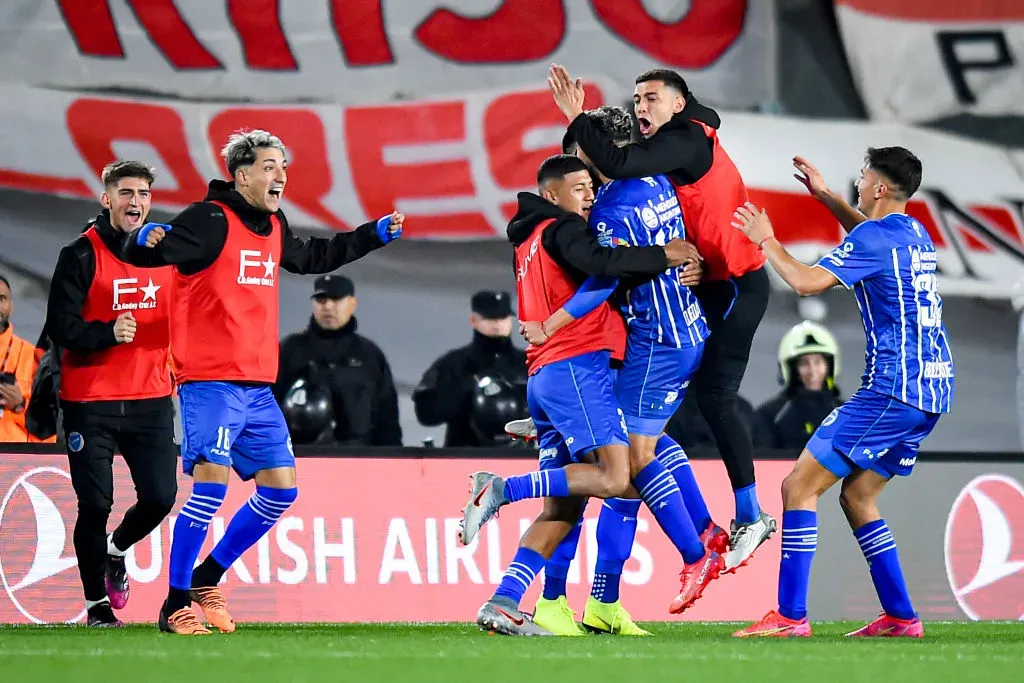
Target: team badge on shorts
[(76, 442)]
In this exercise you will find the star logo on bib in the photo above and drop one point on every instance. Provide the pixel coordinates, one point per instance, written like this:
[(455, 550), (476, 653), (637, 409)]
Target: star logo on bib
[(149, 291), (268, 266)]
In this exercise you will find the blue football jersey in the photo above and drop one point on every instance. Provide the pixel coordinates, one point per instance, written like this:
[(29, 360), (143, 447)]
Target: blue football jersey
[(890, 264), (645, 212)]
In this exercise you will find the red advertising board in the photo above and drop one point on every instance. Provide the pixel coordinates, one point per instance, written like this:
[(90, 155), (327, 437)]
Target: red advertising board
[(367, 540)]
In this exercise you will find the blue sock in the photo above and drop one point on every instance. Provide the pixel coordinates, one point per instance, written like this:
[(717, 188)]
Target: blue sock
[(520, 574), (799, 541), (543, 484), (673, 457), (747, 507), (658, 489), (879, 548), (616, 529), (557, 568), (190, 530), (251, 522)]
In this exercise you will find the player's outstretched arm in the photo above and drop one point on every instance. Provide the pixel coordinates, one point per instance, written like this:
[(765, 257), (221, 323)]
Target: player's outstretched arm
[(191, 240), (326, 254), (569, 241), (805, 280), (811, 178), (592, 293), (678, 149)]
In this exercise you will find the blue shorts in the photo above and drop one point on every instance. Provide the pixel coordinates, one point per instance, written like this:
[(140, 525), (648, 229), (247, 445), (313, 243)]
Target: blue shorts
[(871, 431), (233, 425), (653, 382), (573, 404)]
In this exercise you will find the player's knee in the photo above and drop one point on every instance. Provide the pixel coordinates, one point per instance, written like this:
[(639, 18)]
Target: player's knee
[(793, 489), (159, 506), (716, 400), (94, 510), (852, 501)]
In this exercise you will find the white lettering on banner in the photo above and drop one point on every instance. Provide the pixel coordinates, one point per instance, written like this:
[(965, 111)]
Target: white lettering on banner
[(966, 58), (455, 554), (303, 50), (345, 550), (976, 219), (399, 555)]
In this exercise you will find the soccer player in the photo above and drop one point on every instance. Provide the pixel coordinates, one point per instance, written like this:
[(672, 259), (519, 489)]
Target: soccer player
[(890, 262), (112, 322), (666, 337), (570, 391), (681, 142), (226, 252)]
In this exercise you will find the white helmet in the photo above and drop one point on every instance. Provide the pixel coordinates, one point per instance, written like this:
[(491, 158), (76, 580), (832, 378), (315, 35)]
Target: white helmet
[(803, 338)]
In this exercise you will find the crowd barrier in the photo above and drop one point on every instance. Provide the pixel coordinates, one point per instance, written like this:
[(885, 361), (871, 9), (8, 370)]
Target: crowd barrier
[(373, 537)]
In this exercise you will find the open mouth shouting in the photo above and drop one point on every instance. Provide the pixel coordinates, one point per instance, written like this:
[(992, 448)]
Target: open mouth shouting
[(132, 218), (646, 126)]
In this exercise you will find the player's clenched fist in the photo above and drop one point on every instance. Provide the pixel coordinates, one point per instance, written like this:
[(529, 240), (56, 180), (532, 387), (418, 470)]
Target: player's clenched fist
[(151, 234), (124, 328)]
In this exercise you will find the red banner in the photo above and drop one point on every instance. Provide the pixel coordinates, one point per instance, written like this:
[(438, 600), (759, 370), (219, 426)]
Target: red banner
[(367, 540)]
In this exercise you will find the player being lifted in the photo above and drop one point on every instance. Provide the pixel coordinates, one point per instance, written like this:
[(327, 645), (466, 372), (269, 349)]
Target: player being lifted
[(581, 430), (681, 142), (666, 337), (889, 261)]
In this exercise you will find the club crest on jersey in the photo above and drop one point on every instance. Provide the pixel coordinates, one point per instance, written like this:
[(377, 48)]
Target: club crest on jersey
[(250, 263), (649, 217), (124, 288)]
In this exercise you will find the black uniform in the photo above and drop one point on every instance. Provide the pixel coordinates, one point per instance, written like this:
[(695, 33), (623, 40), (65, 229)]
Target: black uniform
[(788, 420), (141, 430), (445, 394), (357, 375), (691, 431), (733, 308)]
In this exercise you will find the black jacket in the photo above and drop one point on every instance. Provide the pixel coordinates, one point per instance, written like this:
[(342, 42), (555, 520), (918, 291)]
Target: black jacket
[(679, 149), (199, 232), (689, 428), (69, 286), (357, 375), (788, 420), (444, 395), (573, 247)]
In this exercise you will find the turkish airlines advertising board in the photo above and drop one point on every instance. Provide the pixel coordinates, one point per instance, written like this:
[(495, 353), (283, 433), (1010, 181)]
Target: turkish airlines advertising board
[(361, 51), (375, 540)]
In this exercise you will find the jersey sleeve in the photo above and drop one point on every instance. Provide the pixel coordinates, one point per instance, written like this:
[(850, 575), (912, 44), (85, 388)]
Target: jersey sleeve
[(610, 224), (854, 260)]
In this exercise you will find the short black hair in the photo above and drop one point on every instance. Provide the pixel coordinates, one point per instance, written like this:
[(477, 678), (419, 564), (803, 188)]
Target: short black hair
[(5, 281), (558, 166), (898, 165), (125, 168), (615, 122), (666, 76)]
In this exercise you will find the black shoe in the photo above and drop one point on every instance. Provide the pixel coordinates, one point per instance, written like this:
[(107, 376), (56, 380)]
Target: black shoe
[(101, 616), (115, 579)]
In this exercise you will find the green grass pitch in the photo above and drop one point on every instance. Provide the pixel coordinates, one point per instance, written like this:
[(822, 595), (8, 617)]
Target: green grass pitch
[(988, 652)]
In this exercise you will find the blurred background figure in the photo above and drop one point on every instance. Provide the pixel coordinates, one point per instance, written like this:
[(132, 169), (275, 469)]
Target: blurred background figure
[(334, 385), (808, 369), (18, 362), (475, 389)]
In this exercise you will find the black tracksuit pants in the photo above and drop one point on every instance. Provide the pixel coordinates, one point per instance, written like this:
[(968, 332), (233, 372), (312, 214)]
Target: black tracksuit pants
[(142, 431), (734, 309)]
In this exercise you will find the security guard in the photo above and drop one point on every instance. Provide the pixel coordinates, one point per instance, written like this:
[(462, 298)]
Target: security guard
[(808, 368), (477, 388)]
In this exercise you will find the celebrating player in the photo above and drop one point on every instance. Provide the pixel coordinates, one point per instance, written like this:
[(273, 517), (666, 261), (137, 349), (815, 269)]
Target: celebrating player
[(226, 251), (112, 321), (681, 142), (666, 336), (890, 262), (570, 391)]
